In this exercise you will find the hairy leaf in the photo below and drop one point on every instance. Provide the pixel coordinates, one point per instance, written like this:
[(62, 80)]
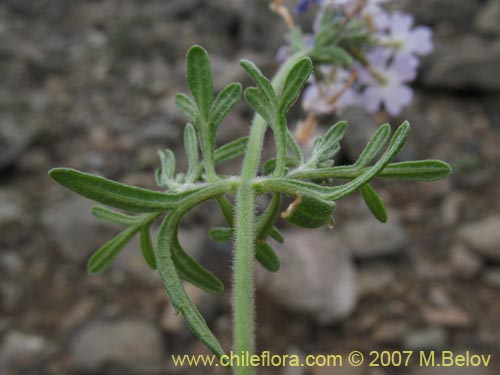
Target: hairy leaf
[(309, 211), (231, 150), (421, 170), (103, 257), (186, 105), (266, 256), (111, 216), (191, 147), (254, 98), (116, 194), (374, 203), (219, 234), (262, 83), (147, 247), (224, 102), (294, 83), (199, 78), (332, 55), (374, 146), (175, 290)]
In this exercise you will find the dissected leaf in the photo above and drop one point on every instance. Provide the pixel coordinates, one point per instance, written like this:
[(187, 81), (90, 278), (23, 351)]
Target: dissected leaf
[(219, 234), (254, 98), (421, 170), (186, 105), (332, 55), (294, 83), (167, 170), (231, 150), (147, 247), (224, 102), (199, 78), (374, 203), (308, 211), (374, 146), (270, 165), (191, 147), (103, 257), (116, 194), (111, 216), (263, 84), (175, 290), (266, 256)]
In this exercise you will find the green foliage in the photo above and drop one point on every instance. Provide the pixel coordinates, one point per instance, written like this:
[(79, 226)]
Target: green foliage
[(307, 180)]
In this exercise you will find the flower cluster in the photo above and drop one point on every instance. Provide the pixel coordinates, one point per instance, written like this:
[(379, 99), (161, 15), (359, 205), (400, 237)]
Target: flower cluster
[(382, 65)]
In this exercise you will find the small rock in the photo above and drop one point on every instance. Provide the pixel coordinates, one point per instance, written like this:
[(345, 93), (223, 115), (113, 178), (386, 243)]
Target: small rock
[(390, 333), (487, 19), (465, 264), (492, 277), (134, 345), (35, 160), (14, 139), (426, 339), (375, 279), (21, 349), (451, 208), (317, 276), (465, 63), (12, 213), (448, 317), (370, 238), (483, 237), (76, 232)]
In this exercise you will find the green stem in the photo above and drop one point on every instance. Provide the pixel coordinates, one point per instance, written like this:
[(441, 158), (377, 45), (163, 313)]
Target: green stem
[(244, 305)]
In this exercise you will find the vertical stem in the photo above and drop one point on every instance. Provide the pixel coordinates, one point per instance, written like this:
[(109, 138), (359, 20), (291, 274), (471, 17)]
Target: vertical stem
[(244, 319), (243, 291)]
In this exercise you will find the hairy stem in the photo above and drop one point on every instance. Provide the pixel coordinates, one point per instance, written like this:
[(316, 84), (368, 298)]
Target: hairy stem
[(243, 291), (243, 276)]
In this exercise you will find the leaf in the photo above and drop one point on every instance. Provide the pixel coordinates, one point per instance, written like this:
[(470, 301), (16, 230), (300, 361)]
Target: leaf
[(308, 211), (332, 55), (254, 98), (294, 83), (199, 78), (231, 150), (374, 146), (219, 234), (327, 146), (227, 209), (422, 170), (175, 290), (167, 170), (266, 256), (374, 203), (112, 216), (398, 140), (103, 257), (191, 147), (186, 105), (276, 235), (192, 271), (224, 102), (265, 222), (294, 146), (147, 247), (270, 165), (262, 83), (116, 194)]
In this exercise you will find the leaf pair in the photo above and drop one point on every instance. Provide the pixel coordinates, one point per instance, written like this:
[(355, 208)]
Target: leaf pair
[(325, 147)]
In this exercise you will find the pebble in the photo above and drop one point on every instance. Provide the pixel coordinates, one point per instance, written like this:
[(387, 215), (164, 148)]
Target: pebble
[(465, 264), (433, 338), (129, 344), (317, 276), (483, 237), (370, 238)]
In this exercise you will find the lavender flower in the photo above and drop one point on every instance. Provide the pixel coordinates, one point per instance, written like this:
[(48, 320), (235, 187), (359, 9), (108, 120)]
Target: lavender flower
[(386, 82), (408, 40)]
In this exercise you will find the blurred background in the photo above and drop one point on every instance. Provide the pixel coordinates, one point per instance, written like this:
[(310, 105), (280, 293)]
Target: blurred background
[(90, 85)]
